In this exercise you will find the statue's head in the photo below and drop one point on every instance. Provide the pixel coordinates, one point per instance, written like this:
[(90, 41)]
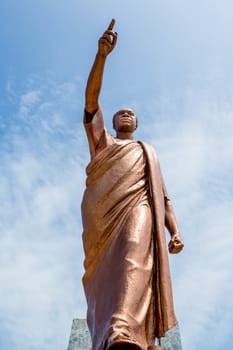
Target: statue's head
[(125, 120)]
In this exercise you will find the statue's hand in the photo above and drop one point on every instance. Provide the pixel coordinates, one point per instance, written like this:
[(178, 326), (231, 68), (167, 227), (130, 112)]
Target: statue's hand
[(108, 40), (175, 245)]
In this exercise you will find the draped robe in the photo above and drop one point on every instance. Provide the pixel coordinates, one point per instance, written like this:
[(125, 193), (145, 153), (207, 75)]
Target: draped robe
[(127, 279)]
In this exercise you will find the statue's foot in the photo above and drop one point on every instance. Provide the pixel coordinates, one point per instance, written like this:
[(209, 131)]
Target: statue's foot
[(124, 346)]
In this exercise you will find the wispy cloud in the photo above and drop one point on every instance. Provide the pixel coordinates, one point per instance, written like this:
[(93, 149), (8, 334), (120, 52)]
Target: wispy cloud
[(43, 157), (196, 152), (41, 181)]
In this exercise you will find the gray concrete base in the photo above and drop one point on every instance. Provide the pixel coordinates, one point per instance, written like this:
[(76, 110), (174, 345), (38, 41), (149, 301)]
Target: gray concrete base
[(80, 337), (172, 340)]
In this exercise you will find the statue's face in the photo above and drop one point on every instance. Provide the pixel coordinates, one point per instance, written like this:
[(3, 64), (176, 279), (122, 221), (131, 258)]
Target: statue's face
[(125, 120)]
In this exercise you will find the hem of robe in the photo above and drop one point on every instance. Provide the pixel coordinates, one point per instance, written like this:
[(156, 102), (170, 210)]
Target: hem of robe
[(165, 317), (122, 342)]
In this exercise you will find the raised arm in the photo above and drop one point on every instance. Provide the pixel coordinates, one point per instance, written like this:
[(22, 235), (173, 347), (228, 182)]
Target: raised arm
[(106, 44)]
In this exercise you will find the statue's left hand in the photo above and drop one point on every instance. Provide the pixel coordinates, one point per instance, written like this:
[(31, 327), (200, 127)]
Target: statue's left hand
[(175, 245)]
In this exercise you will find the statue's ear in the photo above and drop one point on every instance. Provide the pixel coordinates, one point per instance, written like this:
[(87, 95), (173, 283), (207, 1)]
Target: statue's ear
[(113, 122)]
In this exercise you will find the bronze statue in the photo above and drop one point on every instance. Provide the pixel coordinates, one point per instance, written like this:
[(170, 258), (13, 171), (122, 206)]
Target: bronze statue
[(124, 210)]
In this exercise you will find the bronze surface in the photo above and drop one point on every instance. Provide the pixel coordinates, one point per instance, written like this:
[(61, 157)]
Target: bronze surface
[(125, 208)]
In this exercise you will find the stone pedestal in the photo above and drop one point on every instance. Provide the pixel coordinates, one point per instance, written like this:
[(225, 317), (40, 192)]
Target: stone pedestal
[(80, 338), (172, 340)]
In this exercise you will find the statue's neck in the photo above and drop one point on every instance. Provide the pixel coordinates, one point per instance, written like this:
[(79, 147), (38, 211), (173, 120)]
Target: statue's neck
[(125, 135)]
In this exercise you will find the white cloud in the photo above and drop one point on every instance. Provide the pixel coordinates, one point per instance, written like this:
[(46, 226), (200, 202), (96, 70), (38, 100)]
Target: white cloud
[(196, 153), (41, 183), (42, 177), (28, 101)]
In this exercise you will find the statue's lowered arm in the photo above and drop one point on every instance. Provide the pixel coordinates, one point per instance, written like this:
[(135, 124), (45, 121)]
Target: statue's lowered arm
[(175, 245)]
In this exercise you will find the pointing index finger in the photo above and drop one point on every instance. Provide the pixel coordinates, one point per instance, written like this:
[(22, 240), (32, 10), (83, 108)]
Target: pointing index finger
[(111, 25)]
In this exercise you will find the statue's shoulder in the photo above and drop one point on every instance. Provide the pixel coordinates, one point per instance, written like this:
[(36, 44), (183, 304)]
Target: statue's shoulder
[(148, 149)]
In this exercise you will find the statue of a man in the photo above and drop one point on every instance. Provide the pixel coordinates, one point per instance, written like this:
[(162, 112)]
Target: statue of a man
[(124, 210)]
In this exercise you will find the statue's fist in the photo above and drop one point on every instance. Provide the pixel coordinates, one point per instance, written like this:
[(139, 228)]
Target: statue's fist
[(108, 40), (175, 245)]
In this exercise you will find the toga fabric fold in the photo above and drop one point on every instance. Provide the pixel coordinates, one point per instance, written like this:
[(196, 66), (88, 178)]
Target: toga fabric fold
[(127, 278)]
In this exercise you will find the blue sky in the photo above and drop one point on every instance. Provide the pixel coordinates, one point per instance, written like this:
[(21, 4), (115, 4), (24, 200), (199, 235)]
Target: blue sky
[(173, 65)]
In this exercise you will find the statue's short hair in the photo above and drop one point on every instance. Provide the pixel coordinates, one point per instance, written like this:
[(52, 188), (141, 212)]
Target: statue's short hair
[(115, 115)]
